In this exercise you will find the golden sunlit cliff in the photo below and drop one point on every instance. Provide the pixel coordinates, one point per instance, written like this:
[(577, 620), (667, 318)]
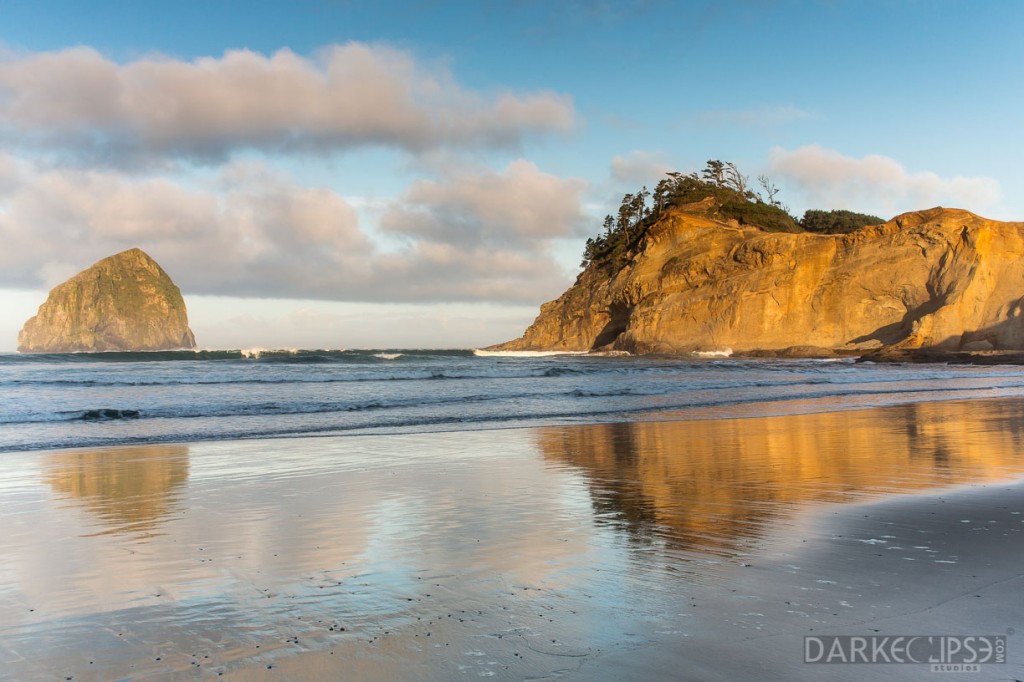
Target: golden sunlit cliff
[(939, 278)]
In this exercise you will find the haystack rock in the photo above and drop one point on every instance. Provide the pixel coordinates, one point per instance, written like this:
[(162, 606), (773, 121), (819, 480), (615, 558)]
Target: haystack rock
[(123, 303), (941, 278)]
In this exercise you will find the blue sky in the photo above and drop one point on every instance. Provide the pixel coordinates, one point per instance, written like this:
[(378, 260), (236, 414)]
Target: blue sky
[(349, 174)]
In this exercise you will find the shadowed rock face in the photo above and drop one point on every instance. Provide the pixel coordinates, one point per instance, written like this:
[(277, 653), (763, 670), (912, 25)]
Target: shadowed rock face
[(941, 278), (123, 303)]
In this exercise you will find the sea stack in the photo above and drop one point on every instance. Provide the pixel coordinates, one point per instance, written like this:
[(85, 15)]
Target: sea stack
[(125, 302), (941, 279)]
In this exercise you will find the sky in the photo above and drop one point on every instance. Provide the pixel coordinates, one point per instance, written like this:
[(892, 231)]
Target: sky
[(345, 174)]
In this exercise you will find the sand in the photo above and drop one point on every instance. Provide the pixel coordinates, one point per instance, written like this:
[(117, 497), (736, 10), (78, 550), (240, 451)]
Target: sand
[(700, 550), (931, 564)]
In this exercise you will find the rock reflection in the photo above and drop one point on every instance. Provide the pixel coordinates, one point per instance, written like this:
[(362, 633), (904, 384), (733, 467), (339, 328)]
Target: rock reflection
[(129, 490), (716, 486)]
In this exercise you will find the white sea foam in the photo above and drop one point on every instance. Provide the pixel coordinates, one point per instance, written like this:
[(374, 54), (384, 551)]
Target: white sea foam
[(387, 356), (724, 353), (255, 353), (524, 353)]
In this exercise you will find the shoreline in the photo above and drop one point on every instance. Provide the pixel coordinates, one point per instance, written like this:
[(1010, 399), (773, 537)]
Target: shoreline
[(709, 412), (661, 550), (924, 356), (804, 352)]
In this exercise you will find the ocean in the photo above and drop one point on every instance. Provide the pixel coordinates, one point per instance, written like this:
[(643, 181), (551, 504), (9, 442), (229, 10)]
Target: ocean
[(88, 400)]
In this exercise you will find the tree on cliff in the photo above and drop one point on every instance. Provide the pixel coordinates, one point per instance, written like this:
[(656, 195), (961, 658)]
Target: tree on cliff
[(725, 175), (733, 199), (836, 222), (714, 173), (770, 190), (719, 179)]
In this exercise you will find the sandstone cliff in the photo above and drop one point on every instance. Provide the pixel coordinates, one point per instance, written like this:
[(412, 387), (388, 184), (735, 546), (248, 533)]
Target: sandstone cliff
[(940, 278), (123, 303)]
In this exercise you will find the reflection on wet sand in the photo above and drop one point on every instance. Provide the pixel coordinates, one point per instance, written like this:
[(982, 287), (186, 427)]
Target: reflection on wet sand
[(514, 554), (127, 489), (712, 486)]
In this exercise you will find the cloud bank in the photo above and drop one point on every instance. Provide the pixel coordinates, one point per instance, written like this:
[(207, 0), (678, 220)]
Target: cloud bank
[(252, 232), (82, 104), (827, 179), (80, 127), (518, 207), (493, 229)]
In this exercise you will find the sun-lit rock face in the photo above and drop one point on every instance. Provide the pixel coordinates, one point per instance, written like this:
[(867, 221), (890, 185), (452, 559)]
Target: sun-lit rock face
[(123, 303), (940, 278)]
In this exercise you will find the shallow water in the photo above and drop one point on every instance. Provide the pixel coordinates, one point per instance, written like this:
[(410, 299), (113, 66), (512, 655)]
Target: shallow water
[(513, 554), (90, 400)]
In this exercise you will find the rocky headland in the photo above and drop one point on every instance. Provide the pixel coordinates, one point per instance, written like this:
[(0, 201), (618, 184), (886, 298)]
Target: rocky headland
[(122, 303), (937, 284)]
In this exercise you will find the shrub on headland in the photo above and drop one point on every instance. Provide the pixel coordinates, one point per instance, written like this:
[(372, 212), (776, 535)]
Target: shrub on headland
[(836, 222), (733, 199)]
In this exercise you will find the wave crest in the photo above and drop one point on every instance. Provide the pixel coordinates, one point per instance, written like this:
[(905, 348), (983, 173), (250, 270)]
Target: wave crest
[(481, 353), (107, 413), (723, 353)]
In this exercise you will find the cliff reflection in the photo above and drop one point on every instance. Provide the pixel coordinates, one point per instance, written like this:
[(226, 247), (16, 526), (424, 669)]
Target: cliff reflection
[(713, 486), (127, 489)]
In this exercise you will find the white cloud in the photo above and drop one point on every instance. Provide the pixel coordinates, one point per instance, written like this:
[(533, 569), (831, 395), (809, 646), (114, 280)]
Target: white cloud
[(827, 179), (483, 236), (258, 232), (518, 207), (485, 233), (765, 117), (640, 167), (430, 271), (79, 102), (9, 174)]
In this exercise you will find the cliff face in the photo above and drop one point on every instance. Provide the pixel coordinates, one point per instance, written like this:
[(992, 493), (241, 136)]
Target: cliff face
[(123, 303), (941, 278)]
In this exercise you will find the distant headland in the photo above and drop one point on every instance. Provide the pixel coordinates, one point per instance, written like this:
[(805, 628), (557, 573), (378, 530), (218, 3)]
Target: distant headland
[(122, 303)]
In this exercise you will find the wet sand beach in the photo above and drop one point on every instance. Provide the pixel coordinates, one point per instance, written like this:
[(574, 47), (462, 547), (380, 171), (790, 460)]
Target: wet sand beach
[(701, 549), (922, 565)]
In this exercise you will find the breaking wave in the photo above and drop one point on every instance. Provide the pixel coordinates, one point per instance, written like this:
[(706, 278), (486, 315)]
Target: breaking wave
[(723, 353), (482, 353)]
